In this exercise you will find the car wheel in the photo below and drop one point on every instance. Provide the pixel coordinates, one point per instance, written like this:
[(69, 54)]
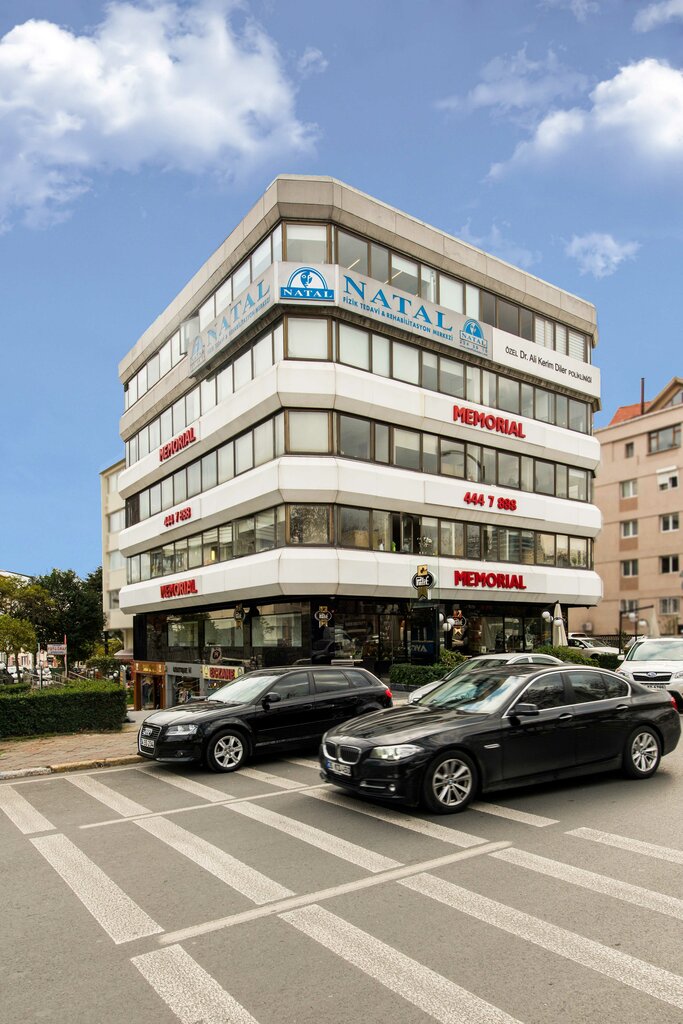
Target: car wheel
[(642, 754), (226, 752), (450, 783)]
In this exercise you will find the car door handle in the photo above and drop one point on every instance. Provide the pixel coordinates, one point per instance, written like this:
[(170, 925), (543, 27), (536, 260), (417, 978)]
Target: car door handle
[(621, 707), (565, 717)]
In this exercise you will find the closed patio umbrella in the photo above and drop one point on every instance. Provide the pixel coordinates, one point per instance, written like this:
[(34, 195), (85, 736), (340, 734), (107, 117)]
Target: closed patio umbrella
[(559, 632), (654, 624)]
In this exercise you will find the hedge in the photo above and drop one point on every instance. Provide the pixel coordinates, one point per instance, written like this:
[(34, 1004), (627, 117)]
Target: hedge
[(577, 656), (92, 706), (12, 689), (410, 677)]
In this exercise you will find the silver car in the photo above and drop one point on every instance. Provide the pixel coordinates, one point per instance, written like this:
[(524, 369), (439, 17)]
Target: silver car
[(657, 663), (482, 661)]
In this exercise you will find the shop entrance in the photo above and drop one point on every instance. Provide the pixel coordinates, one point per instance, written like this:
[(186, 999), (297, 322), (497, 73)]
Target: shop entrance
[(423, 634)]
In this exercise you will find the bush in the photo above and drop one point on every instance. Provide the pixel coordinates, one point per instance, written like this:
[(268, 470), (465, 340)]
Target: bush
[(13, 689), (78, 707), (577, 656), (410, 677), (451, 658)]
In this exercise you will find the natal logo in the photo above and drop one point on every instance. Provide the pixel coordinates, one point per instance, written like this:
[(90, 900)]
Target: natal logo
[(306, 283), (473, 337), (197, 350)]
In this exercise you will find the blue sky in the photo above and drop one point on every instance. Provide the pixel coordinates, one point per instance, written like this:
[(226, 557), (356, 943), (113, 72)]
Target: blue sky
[(134, 136)]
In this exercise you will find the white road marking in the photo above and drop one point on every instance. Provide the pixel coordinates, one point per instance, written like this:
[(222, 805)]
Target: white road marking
[(303, 762), (109, 797), (632, 845), (634, 894), (245, 879), (509, 812), (187, 785), (188, 991), (626, 969), (420, 825), (271, 780), (122, 919), (368, 882), (366, 859), (22, 813), (431, 992)]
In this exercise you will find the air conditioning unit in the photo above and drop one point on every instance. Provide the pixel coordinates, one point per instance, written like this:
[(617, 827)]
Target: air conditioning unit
[(587, 627)]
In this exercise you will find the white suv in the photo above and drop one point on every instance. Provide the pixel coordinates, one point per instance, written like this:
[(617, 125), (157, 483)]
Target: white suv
[(657, 663)]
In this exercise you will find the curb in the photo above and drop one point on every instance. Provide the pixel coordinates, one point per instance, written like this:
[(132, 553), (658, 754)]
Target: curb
[(70, 766)]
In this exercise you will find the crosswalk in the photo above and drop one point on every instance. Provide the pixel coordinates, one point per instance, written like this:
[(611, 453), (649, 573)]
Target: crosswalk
[(266, 835)]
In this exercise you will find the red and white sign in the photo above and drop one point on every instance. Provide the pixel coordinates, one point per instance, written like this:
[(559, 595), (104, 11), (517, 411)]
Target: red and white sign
[(490, 501), (487, 421), (177, 444), (181, 515), (490, 580), (180, 589), (225, 672)]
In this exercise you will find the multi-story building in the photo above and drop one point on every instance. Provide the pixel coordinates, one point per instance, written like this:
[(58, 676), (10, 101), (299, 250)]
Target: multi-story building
[(639, 553), (347, 426), (113, 562)]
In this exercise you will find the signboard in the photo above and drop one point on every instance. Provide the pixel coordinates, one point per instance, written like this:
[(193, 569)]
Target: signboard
[(182, 588), (249, 305), (222, 673), (323, 616), (490, 580), (149, 668), (423, 578), (56, 648)]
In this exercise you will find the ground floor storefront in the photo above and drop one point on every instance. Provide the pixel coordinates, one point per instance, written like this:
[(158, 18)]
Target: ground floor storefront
[(191, 652)]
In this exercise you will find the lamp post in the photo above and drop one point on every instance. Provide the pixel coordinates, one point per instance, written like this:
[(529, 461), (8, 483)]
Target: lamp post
[(634, 617)]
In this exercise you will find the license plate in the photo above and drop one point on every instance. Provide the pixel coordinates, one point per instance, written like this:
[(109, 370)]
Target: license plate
[(339, 769), (146, 743)]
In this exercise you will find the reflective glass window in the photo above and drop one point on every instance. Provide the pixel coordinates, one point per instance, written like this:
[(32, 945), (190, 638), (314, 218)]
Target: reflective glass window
[(406, 363), (306, 243), (406, 449), (354, 437), (244, 453), (452, 378), (306, 339), (451, 294), (352, 252), (354, 347), (226, 462), (309, 524), (354, 527), (308, 431), (263, 443), (381, 356), (404, 274)]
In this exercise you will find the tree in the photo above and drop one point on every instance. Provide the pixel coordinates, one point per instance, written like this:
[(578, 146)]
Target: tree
[(75, 612), (16, 635)]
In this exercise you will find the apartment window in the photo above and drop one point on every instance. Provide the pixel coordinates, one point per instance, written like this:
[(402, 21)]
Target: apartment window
[(629, 604), (116, 561), (669, 605), (669, 522), (113, 599), (668, 563), (629, 448), (117, 521), (629, 528), (629, 567), (662, 440), (628, 488), (667, 481)]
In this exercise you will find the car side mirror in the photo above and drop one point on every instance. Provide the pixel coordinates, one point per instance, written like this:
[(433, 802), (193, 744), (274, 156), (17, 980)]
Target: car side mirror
[(524, 711), (620, 657), (271, 698)]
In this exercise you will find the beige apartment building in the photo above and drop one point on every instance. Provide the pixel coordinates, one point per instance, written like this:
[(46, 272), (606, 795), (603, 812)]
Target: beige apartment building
[(113, 562), (638, 490)]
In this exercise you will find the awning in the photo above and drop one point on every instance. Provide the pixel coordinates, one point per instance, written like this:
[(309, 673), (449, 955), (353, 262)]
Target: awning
[(125, 655)]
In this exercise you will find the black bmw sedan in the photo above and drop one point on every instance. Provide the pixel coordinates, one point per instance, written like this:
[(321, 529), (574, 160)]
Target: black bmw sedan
[(273, 709), (508, 726)]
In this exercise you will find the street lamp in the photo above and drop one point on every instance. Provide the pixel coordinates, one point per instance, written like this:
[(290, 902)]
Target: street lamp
[(633, 616)]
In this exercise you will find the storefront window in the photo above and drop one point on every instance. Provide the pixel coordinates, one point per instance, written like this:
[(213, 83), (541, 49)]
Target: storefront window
[(183, 633), (221, 630), (279, 630)]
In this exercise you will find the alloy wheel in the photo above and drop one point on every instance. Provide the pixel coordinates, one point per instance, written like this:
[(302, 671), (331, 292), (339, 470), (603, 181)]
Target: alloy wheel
[(452, 782), (228, 751), (644, 751)]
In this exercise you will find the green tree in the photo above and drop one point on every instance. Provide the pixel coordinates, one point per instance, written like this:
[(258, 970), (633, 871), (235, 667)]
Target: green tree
[(75, 612), (16, 635)]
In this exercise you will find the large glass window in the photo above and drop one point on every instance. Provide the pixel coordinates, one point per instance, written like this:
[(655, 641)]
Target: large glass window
[(354, 347), (308, 431), (354, 527), (354, 438), (406, 363), (307, 339), (306, 243), (309, 524), (352, 252), (406, 448), (404, 274)]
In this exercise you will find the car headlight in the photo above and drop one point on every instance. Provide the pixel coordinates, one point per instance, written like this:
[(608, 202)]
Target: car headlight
[(181, 730), (678, 675), (396, 753)]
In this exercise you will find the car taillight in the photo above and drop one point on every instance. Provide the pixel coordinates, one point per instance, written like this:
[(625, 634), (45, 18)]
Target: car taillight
[(674, 702), (389, 694)]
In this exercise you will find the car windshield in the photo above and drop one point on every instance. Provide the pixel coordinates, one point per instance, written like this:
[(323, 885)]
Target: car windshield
[(482, 693), (647, 650), (245, 689)]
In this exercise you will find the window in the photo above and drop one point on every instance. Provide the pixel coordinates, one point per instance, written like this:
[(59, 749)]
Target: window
[(307, 339), (114, 599), (404, 274), (308, 432), (662, 440), (183, 634), (629, 528), (354, 527), (667, 480), (309, 524), (629, 567), (589, 685), (354, 437), (406, 363), (117, 521), (669, 522), (326, 682), (352, 252), (629, 448), (668, 563), (630, 604), (116, 561), (628, 489), (354, 347), (669, 605), (292, 685), (406, 448), (546, 693), (306, 243)]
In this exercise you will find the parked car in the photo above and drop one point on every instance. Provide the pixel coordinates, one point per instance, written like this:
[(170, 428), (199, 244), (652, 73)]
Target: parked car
[(271, 709), (589, 646), (479, 662), (507, 726), (657, 663)]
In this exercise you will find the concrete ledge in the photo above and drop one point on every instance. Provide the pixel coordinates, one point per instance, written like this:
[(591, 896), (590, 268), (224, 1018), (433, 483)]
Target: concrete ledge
[(20, 773), (71, 766)]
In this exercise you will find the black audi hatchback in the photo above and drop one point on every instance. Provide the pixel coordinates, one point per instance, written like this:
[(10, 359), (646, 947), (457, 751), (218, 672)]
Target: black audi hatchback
[(507, 726), (273, 709)]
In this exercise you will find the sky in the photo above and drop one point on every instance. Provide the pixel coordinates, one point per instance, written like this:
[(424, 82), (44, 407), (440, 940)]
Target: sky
[(135, 135)]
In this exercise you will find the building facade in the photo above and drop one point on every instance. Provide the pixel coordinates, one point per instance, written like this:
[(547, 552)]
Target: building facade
[(113, 562), (353, 436), (639, 553)]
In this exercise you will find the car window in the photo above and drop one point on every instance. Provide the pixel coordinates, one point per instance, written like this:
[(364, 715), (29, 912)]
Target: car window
[(589, 686), (293, 685), (357, 678), (541, 659), (546, 693), (665, 650), (327, 682)]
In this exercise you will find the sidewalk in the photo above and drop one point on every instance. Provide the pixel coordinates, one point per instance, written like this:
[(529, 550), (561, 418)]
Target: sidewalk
[(42, 755)]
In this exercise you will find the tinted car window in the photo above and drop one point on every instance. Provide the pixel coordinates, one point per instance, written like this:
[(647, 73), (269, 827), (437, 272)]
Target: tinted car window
[(546, 693), (541, 659), (326, 682), (294, 684), (590, 686), (357, 678)]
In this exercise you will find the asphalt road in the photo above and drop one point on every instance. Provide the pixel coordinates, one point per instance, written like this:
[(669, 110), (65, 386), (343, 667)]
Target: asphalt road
[(150, 894)]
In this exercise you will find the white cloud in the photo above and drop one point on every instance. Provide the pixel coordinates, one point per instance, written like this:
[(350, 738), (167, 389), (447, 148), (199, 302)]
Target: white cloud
[(519, 83), (579, 8), (498, 244), (657, 14), (600, 255), (172, 85), (637, 116), (312, 62)]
